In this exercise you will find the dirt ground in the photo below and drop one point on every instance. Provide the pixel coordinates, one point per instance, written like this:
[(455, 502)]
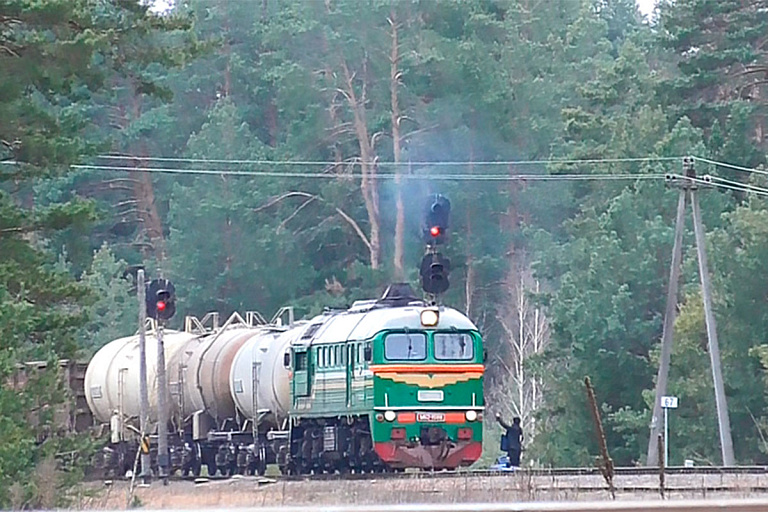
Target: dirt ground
[(265, 492)]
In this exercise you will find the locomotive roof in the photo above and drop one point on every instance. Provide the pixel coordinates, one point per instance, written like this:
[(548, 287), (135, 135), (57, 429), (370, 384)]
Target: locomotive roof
[(356, 324)]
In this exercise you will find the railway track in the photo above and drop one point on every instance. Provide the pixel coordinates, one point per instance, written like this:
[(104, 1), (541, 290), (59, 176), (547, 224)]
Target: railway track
[(476, 473), (540, 472), (531, 472), (680, 506)]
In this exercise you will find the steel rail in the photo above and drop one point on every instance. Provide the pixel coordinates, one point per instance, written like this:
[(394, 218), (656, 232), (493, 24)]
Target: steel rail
[(483, 473), (730, 505), (540, 472)]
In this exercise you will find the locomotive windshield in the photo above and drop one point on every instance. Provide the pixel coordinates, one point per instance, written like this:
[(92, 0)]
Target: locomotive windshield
[(454, 346), (405, 346)]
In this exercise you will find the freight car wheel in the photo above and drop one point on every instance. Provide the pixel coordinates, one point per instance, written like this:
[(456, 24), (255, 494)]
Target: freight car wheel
[(261, 467), (212, 469), (261, 463)]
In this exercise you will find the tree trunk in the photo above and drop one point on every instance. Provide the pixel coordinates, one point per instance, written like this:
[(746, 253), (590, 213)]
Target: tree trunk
[(368, 185), (526, 332), (394, 82), (469, 284), (144, 194)]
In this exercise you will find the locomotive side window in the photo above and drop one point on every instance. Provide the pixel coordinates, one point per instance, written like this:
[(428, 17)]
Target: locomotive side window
[(454, 346), (405, 346), (300, 361)]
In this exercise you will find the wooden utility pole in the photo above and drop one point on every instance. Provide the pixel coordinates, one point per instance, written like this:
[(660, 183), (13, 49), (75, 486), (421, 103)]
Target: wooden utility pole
[(689, 185), (395, 76), (606, 465)]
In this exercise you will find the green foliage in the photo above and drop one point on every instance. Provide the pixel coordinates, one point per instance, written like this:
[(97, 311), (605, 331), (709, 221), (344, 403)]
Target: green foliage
[(112, 309), (59, 64), (719, 51), (310, 81)]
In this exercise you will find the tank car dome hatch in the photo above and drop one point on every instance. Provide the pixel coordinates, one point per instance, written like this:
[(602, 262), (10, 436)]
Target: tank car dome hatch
[(112, 376)]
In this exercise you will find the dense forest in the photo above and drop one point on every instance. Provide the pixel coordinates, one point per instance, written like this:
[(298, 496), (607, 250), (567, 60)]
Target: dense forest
[(270, 153)]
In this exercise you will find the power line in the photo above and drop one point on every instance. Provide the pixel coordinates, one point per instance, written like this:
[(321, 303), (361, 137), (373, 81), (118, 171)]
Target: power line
[(747, 187), (378, 176), (391, 164), (759, 192), (730, 166)]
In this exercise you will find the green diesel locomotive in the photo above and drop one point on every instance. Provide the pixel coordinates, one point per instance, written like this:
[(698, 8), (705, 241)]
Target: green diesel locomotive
[(386, 384)]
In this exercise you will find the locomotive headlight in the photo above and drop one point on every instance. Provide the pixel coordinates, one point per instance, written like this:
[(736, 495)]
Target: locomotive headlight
[(471, 415), (429, 317), (390, 415)]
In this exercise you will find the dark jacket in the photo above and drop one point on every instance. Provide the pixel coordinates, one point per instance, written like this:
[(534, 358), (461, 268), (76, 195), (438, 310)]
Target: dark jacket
[(513, 436)]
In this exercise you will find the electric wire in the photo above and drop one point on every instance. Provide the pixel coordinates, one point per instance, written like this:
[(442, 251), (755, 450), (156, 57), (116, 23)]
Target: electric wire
[(747, 186), (725, 186), (730, 166), (391, 164), (377, 176)]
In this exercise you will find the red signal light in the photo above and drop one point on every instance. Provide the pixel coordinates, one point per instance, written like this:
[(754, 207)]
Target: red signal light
[(434, 231), (161, 305)]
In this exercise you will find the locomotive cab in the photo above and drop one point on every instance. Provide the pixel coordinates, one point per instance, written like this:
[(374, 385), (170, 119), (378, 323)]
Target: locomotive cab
[(428, 393), (383, 386)]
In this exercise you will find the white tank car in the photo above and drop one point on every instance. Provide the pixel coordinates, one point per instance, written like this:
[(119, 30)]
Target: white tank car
[(266, 352), (201, 372), (112, 376)]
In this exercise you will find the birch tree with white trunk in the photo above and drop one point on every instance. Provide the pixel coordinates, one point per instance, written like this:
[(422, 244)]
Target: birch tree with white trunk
[(517, 389)]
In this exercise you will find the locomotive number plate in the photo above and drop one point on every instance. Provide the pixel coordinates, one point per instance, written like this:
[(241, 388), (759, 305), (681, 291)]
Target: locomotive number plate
[(430, 417)]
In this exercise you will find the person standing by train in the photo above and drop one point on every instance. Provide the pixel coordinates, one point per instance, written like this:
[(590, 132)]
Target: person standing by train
[(512, 440)]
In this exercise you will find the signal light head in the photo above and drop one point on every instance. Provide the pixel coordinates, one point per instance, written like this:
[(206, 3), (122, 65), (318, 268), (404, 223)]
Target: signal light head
[(161, 305), (434, 231)]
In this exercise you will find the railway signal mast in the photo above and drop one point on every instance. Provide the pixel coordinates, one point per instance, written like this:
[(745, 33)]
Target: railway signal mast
[(146, 465), (435, 267), (161, 305)]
